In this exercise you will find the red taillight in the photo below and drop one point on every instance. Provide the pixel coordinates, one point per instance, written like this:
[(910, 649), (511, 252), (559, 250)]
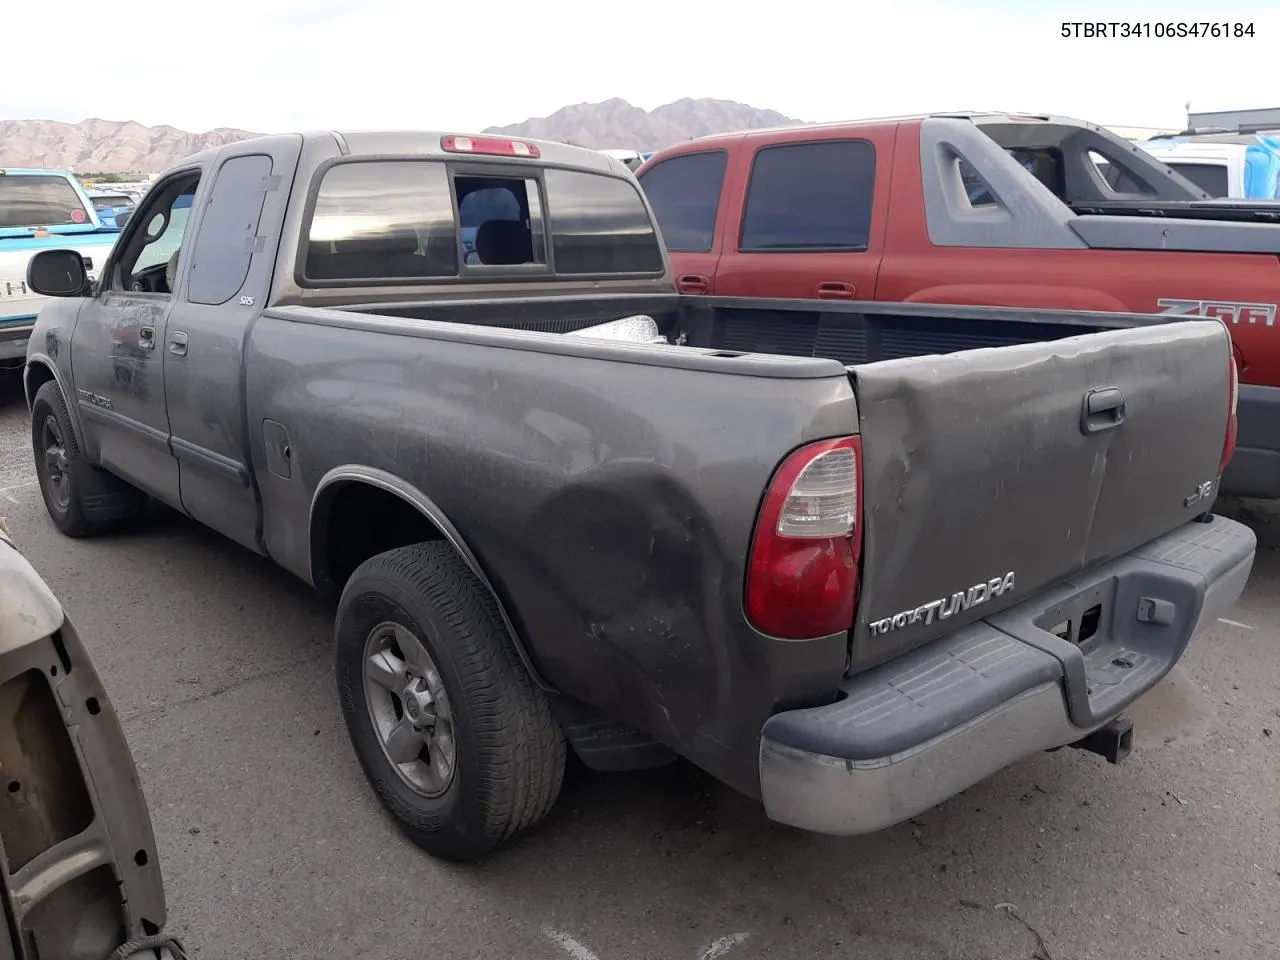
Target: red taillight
[(1229, 444), (491, 146), (802, 579)]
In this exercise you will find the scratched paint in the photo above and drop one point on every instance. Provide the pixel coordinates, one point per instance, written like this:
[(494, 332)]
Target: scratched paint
[(721, 945), (575, 949), (572, 947)]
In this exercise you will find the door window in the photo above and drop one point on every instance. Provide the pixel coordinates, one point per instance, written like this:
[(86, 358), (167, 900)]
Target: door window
[(684, 192), (810, 197), (147, 252)]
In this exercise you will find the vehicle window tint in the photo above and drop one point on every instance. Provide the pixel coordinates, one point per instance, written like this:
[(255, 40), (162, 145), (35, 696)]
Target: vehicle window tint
[(382, 220), (685, 194), (599, 225), (224, 246), (500, 219), (810, 196), (39, 201)]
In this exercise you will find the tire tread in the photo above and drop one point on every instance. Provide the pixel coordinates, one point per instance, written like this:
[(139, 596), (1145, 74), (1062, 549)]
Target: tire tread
[(519, 748)]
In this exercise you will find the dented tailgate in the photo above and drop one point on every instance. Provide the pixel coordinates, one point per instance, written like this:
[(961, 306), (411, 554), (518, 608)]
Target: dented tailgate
[(989, 474)]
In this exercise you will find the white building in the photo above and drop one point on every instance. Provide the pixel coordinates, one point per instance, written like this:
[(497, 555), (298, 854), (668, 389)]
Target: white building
[(1236, 121)]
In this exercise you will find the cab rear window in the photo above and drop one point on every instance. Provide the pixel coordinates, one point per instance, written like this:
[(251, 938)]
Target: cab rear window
[(39, 201), (408, 220)]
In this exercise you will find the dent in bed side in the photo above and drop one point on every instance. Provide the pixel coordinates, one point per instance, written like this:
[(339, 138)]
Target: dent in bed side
[(322, 501), (613, 525)]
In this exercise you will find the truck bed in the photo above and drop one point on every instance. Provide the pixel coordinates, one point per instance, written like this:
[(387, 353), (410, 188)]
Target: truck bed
[(977, 472), (851, 333)]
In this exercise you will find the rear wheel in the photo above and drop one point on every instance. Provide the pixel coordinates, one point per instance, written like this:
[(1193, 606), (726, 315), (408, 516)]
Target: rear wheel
[(457, 742), (81, 499)]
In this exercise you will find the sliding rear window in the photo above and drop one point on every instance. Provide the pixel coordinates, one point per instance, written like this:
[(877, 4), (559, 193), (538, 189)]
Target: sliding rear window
[(395, 221)]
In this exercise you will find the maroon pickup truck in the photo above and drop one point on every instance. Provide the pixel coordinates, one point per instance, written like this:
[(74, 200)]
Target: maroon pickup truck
[(1036, 212)]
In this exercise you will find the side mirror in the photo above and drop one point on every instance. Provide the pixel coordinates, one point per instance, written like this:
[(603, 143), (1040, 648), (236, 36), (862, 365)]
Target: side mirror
[(122, 218), (57, 273)]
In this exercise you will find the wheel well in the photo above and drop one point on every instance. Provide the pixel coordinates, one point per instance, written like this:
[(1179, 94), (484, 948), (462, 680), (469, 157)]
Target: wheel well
[(36, 377), (355, 521)]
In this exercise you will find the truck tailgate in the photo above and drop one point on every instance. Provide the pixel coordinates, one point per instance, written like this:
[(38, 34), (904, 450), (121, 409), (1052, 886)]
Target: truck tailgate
[(984, 479)]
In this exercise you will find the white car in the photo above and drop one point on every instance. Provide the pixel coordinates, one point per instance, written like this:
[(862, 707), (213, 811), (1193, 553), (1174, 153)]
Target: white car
[(1228, 165)]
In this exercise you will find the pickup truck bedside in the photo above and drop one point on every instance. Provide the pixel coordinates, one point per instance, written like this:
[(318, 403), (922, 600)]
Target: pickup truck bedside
[(916, 731)]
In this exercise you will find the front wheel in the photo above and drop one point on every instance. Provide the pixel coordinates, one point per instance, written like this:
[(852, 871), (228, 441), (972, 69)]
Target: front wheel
[(82, 499), (457, 742)]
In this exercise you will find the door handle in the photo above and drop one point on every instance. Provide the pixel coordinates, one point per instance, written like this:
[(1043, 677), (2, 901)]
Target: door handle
[(693, 283), (178, 344), (1103, 409), (147, 338), (836, 290)]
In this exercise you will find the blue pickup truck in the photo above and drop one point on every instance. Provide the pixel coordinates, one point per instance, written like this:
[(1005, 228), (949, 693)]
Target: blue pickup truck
[(40, 210)]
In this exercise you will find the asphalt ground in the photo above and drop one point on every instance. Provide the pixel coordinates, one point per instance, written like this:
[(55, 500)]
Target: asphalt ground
[(273, 846)]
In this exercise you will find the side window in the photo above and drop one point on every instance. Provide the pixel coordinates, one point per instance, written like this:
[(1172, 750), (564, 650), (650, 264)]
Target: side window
[(224, 247), (146, 256), (685, 195), (500, 219), (810, 196), (382, 220), (161, 248), (600, 225)]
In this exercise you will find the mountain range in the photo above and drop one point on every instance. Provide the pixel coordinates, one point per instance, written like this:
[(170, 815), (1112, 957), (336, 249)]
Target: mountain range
[(110, 146)]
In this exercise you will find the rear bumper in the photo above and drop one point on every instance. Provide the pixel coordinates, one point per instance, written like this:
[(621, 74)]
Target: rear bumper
[(912, 733), (1254, 470)]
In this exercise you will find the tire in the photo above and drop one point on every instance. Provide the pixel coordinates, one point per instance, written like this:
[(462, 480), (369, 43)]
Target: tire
[(508, 751), (82, 499)]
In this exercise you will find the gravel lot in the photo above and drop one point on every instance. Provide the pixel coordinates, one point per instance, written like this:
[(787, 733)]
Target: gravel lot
[(272, 846)]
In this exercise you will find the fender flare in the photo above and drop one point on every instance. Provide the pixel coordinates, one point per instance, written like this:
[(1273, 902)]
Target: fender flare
[(73, 405), (388, 482)]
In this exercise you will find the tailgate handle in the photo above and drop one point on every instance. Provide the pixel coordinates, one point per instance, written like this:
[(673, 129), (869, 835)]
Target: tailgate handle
[(1103, 410)]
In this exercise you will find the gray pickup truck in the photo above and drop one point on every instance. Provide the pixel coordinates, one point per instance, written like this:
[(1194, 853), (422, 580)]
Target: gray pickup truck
[(851, 592)]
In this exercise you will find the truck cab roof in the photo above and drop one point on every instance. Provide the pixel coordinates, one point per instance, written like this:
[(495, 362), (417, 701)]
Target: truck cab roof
[(977, 117), (416, 143)]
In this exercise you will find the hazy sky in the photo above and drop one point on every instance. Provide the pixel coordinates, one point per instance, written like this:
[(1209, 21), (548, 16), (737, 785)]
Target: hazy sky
[(270, 65)]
